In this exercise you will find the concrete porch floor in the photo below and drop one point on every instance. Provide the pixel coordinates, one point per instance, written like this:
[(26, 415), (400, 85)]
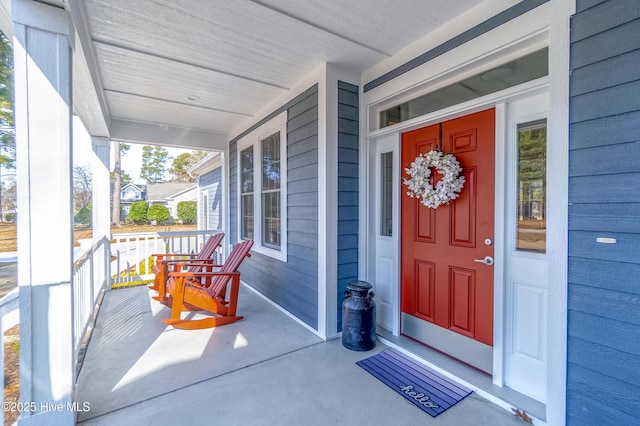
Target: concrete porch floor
[(264, 370)]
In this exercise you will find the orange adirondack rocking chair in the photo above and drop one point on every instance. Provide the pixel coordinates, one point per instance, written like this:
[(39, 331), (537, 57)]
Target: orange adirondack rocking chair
[(208, 291), (170, 262)]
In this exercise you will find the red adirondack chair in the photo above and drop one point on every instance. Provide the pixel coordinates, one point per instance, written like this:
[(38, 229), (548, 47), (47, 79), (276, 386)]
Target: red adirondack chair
[(208, 291), (170, 262)]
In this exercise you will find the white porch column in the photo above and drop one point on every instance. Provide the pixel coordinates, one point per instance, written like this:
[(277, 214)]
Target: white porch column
[(328, 202), (101, 197), (42, 68)]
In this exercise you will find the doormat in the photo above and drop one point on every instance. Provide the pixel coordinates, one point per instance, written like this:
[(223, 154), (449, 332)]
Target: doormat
[(420, 385)]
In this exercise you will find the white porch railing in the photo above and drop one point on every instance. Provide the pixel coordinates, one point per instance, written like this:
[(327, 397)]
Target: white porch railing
[(133, 260), (8, 304), (94, 271), (91, 272), (131, 254)]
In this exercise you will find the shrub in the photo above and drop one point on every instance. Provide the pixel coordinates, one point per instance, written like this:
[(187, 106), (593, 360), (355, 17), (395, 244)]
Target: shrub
[(158, 213), (84, 215), (141, 268), (10, 217), (187, 211), (138, 212), (143, 264)]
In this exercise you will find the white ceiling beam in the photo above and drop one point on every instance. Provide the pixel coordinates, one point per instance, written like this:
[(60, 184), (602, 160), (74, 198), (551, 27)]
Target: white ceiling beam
[(243, 114), (320, 28), (169, 136), (191, 64)]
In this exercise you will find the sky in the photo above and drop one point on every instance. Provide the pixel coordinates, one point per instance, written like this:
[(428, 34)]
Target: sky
[(131, 162)]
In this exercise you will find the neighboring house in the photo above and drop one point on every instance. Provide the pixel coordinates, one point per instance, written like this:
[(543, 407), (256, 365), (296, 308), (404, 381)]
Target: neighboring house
[(129, 194), (530, 276), (211, 195), (169, 194)]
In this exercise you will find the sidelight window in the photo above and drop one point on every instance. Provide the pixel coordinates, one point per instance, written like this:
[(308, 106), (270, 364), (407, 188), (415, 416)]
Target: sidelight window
[(531, 220), (386, 189)]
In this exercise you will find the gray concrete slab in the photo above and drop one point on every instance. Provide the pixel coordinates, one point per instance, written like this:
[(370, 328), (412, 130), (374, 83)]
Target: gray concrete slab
[(264, 370)]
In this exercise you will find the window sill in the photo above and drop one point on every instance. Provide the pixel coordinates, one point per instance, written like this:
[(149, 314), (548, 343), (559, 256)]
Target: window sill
[(278, 255)]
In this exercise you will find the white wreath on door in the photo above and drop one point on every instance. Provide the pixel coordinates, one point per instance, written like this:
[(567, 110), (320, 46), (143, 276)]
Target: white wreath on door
[(447, 189)]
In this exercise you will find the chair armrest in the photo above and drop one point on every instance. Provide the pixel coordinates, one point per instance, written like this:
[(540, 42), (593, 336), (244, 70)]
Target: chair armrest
[(174, 255), (190, 262), (201, 274)]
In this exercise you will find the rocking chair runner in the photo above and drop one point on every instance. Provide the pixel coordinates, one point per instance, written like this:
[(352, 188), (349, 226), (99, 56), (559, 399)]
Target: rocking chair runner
[(170, 262), (208, 291)]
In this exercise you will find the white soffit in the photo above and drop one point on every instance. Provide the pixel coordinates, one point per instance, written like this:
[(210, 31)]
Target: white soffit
[(213, 65)]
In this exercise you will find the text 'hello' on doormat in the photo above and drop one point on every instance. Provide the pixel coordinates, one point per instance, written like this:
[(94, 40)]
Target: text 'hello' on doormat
[(420, 385)]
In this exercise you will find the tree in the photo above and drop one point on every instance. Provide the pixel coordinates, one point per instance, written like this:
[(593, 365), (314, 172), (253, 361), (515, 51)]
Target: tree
[(138, 212), (120, 149), (7, 130), (158, 213), (187, 211), (154, 163), (82, 186), (125, 178), (8, 202), (182, 163), (84, 215)]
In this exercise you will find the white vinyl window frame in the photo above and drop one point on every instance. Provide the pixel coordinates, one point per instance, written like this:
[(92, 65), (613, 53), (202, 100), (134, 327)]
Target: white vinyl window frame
[(254, 139)]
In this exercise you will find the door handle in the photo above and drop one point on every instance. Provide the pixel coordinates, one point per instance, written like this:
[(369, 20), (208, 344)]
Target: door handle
[(488, 260)]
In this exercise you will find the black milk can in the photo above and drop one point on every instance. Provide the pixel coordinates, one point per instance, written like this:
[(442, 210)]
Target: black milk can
[(359, 317)]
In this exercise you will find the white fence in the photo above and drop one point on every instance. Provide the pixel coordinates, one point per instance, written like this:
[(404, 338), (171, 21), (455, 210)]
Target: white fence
[(133, 252)]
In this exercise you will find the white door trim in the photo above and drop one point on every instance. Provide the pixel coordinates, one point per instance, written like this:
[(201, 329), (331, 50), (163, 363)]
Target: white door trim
[(385, 252), (554, 18), (501, 162), (499, 238)]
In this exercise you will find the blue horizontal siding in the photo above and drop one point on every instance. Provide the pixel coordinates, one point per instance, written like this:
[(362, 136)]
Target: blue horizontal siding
[(611, 304), (605, 189), (605, 131), (348, 197), (611, 101), (602, 331), (608, 217), (619, 70), (583, 244), (603, 17), (584, 5), (604, 274), (214, 196), (604, 299), (599, 47), (210, 177), (604, 407), (620, 158), (620, 365), (292, 284)]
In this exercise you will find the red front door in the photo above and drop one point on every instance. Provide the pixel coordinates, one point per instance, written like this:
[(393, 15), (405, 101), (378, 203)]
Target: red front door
[(446, 294)]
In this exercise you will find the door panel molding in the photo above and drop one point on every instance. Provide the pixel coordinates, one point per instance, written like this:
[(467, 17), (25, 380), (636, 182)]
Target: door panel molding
[(462, 290)]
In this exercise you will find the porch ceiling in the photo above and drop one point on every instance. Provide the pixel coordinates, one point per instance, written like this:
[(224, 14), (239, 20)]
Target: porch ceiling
[(162, 68)]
